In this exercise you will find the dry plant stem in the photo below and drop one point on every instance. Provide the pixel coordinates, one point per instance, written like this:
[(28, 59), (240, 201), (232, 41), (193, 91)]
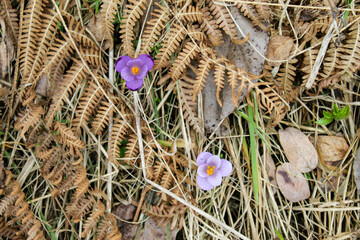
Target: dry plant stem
[(142, 156), (109, 169), (320, 57), (16, 73)]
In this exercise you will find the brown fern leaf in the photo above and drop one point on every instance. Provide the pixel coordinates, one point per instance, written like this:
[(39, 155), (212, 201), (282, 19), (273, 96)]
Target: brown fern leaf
[(330, 62), (186, 85), (132, 147), (196, 33), (249, 11), (223, 19), (79, 33), (189, 52), (107, 17), (211, 28), (71, 80), (31, 26), (93, 57), (190, 14), (9, 232), (68, 138), (17, 208), (269, 100), (166, 213), (285, 78), (78, 207), (238, 79), (11, 19), (107, 228), (45, 38), (263, 11), (154, 28), (59, 51), (206, 63), (87, 105), (92, 221), (350, 50), (134, 10), (33, 137), (219, 78), (29, 118), (171, 44), (103, 115), (118, 133)]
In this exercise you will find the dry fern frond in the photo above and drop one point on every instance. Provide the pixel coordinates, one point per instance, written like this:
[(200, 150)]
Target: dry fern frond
[(238, 81), (45, 36), (11, 18), (118, 133), (92, 221), (285, 78), (87, 104), (349, 52), (103, 115), (107, 228), (29, 118), (70, 81), (154, 28), (269, 100), (33, 137), (172, 42), (190, 14), (219, 78), (16, 207), (132, 147), (249, 11), (211, 28), (68, 138), (196, 33), (134, 10), (206, 63), (186, 85), (31, 26), (93, 57), (189, 52), (223, 19), (107, 17)]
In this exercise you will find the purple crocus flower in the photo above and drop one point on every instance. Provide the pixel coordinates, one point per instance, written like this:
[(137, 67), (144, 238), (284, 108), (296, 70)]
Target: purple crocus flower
[(133, 71), (211, 170)]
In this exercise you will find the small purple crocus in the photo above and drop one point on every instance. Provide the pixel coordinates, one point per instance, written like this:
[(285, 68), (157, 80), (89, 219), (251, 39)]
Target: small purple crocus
[(133, 71), (211, 170)]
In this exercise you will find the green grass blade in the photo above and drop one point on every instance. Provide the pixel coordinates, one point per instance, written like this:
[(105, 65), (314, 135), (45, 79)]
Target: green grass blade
[(254, 164)]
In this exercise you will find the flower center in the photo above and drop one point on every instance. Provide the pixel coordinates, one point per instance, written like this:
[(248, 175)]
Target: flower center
[(210, 170), (135, 70)]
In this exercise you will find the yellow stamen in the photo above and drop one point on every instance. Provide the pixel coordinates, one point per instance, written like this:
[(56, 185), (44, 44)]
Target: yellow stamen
[(135, 70), (210, 170)]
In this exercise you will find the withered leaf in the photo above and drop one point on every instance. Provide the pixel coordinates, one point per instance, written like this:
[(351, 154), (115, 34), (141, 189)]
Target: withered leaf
[(279, 48), (356, 167), (270, 169), (332, 150), (298, 149), (292, 184)]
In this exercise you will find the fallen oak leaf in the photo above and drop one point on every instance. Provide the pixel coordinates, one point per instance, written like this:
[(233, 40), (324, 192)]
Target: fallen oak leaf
[(298, 149), (292, 184)]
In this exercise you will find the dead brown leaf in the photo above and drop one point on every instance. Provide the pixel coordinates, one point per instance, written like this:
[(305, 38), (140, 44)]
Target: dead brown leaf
[(298, 149), (126, 213), (7, 51), (332, 150), (152, 231), (270, 169), (279, 48), (356, 167), (292, 184)]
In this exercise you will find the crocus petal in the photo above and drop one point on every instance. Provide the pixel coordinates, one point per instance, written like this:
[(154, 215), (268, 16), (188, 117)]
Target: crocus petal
[(215, 179), (225, 168), (142, 72), (147, 60), (135, 84), (202, 170), (135, 63), (121, 63), (203, 183), (214, 161), (127, 74), (203, 157)]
